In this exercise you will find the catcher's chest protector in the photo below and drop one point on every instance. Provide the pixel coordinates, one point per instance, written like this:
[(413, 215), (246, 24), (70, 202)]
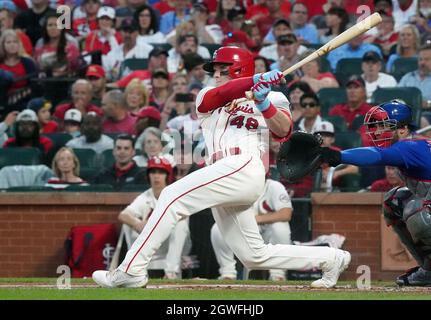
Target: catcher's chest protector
[(90, 248)]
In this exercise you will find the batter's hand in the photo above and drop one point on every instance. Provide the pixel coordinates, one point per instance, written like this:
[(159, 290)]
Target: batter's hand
[(260, 93), (273, 77)]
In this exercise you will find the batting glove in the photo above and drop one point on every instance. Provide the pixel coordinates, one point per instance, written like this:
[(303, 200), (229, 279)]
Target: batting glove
[(260, 92), (273, 77)]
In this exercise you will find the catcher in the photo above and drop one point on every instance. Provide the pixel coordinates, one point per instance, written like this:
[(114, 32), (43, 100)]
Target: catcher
[(407, 209)]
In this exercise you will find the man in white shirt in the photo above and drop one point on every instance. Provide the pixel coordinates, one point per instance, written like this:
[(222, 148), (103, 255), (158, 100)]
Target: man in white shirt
[(371, 67), (129, 49), (185, 44)]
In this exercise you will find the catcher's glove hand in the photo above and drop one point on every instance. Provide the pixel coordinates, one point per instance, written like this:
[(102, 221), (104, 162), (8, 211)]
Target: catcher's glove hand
[(299, 156)]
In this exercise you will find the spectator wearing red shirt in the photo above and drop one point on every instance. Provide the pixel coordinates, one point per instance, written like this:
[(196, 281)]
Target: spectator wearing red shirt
[(274, 13), (104, 37), (42, 108), (164, 6), (27, 133), (223, 7), (84, 25), (14, 60), (386, 36), (356, 104), (81, 100), (118, 118), (260, 9), (8, 12), (391, 180)]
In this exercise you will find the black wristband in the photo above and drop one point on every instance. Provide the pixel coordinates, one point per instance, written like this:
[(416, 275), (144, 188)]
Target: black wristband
[(330, 156)]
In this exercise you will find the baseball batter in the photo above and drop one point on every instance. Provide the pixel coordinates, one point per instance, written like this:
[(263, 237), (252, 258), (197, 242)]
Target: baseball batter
[(234, 179), (406, 209), (273, 211)]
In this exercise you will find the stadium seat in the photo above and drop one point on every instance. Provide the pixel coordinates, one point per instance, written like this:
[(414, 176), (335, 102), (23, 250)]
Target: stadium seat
[(347, 67), (134, 188), (133, 64), (59, 139), (108, 159), (90, 188), (411, 95), (338, 122), (88, 174), (357, 123), (87, 158), (19, 156), (211, 47), (329, 97), (402, 66), (350, 183), (325, 66), (347, 140)]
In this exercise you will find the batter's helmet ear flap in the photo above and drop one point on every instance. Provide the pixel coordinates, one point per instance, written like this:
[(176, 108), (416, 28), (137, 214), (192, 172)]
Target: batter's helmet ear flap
[(240, 61)]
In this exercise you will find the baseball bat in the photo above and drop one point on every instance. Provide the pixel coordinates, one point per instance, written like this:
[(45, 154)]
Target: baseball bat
[(354, 31)]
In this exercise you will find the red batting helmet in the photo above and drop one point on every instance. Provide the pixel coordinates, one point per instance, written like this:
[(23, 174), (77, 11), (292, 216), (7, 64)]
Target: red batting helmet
[(162, 164), (240, 60)]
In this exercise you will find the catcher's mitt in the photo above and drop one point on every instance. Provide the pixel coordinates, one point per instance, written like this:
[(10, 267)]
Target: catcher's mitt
[(299, 156)]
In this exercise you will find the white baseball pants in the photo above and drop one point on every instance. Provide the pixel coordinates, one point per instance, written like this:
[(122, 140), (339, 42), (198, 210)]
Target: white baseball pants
[(231, 185)]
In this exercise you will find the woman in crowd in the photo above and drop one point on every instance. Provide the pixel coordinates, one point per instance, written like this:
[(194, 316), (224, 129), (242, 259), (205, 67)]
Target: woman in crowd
[(172, 107), (223, 8), (54, 47), (14, 59), (261, 64), (136, 95), (336, 20), (83, 25), (66, 169), (313, 77), (148, 24), (407, 46), (160, 91), (296, 90)]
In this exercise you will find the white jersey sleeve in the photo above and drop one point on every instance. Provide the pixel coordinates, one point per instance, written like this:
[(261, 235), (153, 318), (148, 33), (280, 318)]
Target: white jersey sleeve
[(142, 206), (277, 196), (199, 99), (279, 100)]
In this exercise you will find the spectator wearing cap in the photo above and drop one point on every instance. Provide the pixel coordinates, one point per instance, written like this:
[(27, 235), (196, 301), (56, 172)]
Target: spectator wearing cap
[(326, 131), (13, 59), (148, 116), (172, 19), (92, 136), (160, 88), (127, 50), (193, 64), (421, 78), (148, 24), (356, 48), (72, 122), (117, 116), (82, 94), (371, 67), (356, 104), (336, 19), (82, 26), (407, 47), (311, 118), (27, 133), (280, 27), (185, 44), (287, 50), (386, 36), (42, 108), (306, 32), (8, 12), (31, 20), (274, 13), (97, 77), (124, 171), (312, 75), (136, 95), (104, 38)]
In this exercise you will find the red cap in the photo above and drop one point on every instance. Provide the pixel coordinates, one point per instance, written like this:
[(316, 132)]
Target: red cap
[(162, 164), (150, 112), (95, 70)]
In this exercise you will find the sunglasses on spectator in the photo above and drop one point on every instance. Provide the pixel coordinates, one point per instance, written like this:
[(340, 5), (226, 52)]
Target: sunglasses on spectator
[(309, 104)]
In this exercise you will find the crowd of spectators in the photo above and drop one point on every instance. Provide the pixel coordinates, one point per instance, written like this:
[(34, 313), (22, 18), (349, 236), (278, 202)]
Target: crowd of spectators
[(123, 78)]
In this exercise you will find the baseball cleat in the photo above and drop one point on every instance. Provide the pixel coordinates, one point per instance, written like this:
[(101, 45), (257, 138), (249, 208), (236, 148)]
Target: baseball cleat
[(118, 279), (415, 277), (331, 274)]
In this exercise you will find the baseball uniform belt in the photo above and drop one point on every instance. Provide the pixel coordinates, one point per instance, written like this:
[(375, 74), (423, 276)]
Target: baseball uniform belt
[(219, 154)]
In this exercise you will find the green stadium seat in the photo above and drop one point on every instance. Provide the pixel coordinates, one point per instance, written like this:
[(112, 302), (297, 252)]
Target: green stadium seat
[(357, 122), (411, 95), (19, 156), (88, 174), (325, 66), (347, 140), (134, 188), (211, 47), (90, 188), (87, 158), (329, 97), (350, 183), (402, 66), (133, 64), (347, 67), (338, 122), (59, 139), (108, 159)]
